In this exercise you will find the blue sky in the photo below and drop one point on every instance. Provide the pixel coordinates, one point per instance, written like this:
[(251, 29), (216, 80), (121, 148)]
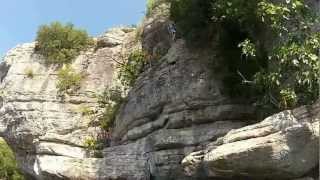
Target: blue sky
[(20, 19)]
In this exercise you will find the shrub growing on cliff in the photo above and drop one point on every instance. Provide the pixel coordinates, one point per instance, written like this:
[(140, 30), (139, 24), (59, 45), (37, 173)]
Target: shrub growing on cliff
[(152, 4), (85, 110), (291, 76), (68, 80), (110, 101), (91, 143), (8, 166), (29, 73), (283, 73), (132, 67), (94, 147), (60, 43)]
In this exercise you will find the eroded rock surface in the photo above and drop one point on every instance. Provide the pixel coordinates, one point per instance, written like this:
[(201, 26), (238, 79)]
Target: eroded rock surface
[(43, 127), (283, 146), (175, 107), (164, 130)]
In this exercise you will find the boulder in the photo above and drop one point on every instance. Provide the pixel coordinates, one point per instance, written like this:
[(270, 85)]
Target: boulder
[(283, 146)]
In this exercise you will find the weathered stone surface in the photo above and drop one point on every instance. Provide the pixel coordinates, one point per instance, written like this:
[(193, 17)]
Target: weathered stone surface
[(40, 125), (156, 39), (118, 163), (183, 92), (114, 37), (176, 108), (285, 145)]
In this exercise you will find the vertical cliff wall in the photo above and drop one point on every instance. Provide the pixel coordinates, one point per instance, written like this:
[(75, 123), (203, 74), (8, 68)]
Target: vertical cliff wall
[(177, 123)]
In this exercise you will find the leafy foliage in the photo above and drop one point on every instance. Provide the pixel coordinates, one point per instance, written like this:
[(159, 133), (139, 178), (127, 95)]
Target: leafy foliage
[(248, 48), (291, 77), (110, 100), (152, 4), (94, 146), (68, 80), (294, 72), (29, 73), (91, 143), (193, 20), (8, 166), (86, 110), (283, 74), (132, 67), (61, 43)]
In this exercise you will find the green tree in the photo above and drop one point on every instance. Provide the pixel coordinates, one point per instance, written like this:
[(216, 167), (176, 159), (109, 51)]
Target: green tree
[(60, 43), (269, 46), (8, 165)]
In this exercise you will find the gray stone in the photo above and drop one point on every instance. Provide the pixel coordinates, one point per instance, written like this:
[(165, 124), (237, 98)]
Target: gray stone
[(173, 109), (176, 112), (39, 125), (285, 145)]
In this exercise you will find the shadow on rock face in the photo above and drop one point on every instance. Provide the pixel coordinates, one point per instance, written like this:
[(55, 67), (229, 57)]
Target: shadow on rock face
[(4, 68)]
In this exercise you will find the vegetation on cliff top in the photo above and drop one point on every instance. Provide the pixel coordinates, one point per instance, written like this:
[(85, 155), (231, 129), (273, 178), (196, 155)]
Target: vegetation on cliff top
[(8, 165), (152, 4), (60, 43), (270, 48)]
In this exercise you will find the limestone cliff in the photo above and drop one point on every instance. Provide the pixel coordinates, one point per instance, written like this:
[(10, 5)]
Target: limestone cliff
[(176, 123), (40, 125)]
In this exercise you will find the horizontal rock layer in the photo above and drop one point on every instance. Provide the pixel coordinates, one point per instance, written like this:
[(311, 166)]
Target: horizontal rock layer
[(283, 146), (164, 130), (43, 127)]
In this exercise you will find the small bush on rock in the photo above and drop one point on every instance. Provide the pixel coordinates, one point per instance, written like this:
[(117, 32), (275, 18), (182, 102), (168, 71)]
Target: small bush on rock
[(132, 67), (151, 4), (8, 166), (110, 101), (60, 43), (68, 80), (29, 73), (91, 143), (86, 110), (94, 146)]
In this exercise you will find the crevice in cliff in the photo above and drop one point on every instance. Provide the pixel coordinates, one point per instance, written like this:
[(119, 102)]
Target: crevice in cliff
[(58, 141), (4, 68)]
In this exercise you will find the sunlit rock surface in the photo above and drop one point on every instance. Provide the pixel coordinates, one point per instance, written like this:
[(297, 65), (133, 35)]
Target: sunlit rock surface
[(177, 122)]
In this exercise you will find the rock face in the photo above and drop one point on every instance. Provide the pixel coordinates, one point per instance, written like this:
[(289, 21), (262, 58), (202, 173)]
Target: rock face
[(176, 106), (176, 123), (154, 33), (43, 127), (283, 146)]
